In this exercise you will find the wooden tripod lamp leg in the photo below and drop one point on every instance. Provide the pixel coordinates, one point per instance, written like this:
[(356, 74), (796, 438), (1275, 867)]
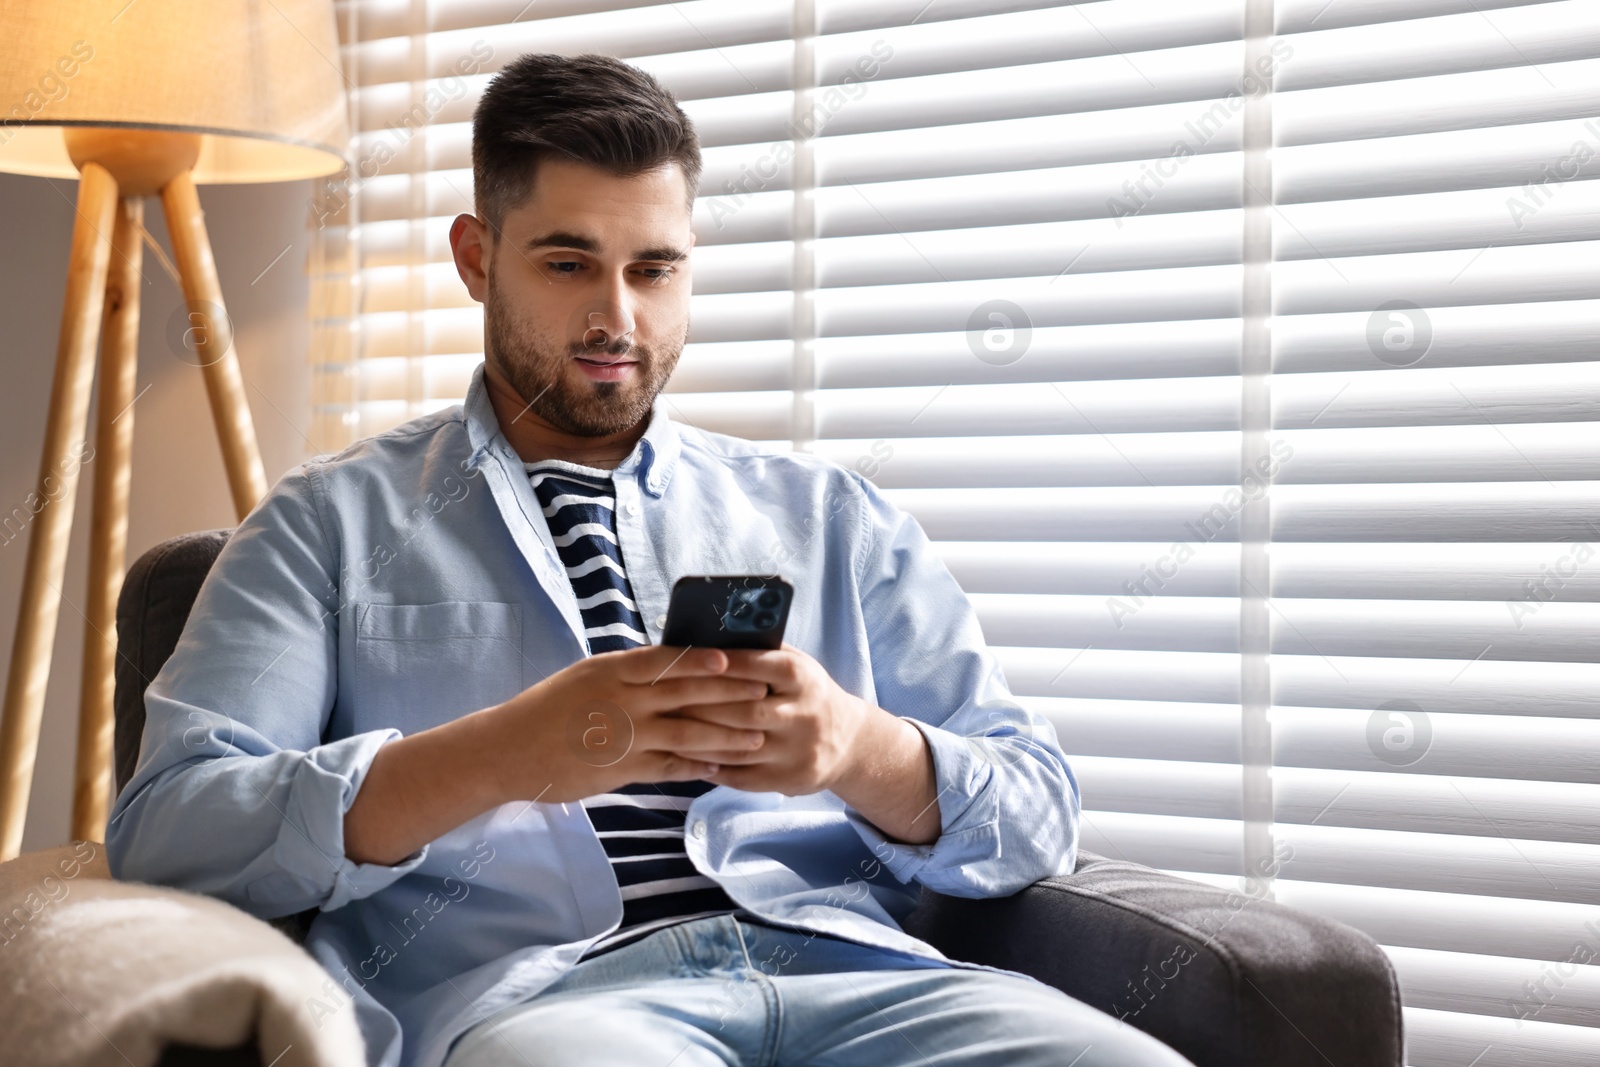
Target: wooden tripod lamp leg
[(213, 334), (113, 456), (51, 526)]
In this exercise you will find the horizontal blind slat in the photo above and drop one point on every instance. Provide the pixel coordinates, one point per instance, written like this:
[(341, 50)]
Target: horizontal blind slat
[(1527, 748), (1463, 571), (1467, 41), (1439, 511), (1445, 1039), (1434, 804), (1298, 16), (1490, 865), (1500, 926), (1498, 986), (1477, 100), (1477, 686)]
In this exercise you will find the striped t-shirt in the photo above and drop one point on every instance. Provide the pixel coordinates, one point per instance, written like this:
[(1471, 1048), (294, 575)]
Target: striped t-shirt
[(639, 825)]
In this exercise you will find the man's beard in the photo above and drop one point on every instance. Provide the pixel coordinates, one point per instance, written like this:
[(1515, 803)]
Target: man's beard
[(539, 369)]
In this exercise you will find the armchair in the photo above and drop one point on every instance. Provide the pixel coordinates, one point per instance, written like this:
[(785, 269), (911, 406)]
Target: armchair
[(1269, 986)]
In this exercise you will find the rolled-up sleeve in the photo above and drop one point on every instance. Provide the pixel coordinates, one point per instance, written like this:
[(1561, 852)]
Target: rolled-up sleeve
[(234, 794), (1008, 800)]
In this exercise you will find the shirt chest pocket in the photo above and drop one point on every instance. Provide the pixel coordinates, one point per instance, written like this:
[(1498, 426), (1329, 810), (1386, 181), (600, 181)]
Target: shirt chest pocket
[(419, 665)]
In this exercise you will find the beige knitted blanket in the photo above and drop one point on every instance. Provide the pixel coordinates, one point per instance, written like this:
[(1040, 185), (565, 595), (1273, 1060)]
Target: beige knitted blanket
[(98, 972)]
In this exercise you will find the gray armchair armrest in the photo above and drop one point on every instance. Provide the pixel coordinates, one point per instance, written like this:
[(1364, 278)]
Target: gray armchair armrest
[(1225, 979)]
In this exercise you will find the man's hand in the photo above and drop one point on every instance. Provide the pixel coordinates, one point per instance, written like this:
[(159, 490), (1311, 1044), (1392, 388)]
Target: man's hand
[(818, 736), (613, 719), (649, 714), (598, 724)]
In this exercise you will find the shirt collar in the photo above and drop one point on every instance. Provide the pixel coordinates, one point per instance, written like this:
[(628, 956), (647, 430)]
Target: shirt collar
[(652, 460)]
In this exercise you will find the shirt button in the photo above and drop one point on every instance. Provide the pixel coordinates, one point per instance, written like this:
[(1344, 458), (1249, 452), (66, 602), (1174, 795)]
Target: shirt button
[(631, 508), (698, 829), (661, 621)]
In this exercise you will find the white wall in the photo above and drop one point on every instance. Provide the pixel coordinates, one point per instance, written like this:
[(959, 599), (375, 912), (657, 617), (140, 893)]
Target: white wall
[(178, 481)]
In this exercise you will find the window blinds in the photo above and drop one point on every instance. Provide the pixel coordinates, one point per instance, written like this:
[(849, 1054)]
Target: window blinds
[(1238, 357), (1436, 631)]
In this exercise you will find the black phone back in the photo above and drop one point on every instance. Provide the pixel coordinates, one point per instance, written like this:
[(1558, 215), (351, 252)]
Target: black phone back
[(728, 611)]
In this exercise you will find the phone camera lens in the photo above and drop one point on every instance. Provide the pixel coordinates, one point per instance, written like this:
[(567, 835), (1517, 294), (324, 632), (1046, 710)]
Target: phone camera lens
[(769, 598), (766, 620)]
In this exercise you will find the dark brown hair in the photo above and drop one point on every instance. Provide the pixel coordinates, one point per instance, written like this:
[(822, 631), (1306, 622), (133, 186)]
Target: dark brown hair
[(589, 108)]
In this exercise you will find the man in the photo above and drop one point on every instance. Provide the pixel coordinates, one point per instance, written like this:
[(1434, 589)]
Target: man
[(422, 690)]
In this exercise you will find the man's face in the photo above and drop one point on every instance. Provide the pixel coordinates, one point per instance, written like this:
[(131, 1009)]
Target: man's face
[(589, 254)]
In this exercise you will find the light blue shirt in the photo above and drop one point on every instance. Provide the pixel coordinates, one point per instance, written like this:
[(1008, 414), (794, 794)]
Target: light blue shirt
[(411, 579)]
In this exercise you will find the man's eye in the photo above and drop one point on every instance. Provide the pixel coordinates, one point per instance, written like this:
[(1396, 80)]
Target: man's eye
[(659, 274), (557, 267)]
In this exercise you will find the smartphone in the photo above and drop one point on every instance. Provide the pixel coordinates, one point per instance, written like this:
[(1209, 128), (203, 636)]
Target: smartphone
[(728, 611)]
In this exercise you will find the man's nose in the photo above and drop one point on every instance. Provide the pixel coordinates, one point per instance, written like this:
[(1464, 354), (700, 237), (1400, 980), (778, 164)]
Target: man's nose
[(612, 317)]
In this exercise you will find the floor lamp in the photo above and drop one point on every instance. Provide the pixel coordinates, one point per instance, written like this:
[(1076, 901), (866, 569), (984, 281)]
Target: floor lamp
[(139, 100)]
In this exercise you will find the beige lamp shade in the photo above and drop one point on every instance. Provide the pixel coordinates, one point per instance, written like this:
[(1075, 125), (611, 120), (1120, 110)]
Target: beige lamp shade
[(259, 80)]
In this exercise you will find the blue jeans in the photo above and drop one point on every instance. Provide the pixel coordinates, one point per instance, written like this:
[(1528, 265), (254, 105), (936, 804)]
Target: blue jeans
[(730, 990)]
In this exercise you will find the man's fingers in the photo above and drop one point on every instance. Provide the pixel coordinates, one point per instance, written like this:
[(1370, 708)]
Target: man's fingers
[(731, 758), (649, 664), (697, 738), (684, 692), (745, 714), (780, 668), (671, 767)]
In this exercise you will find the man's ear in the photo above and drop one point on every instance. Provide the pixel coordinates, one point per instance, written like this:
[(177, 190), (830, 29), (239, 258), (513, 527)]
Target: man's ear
[(470, 244)]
